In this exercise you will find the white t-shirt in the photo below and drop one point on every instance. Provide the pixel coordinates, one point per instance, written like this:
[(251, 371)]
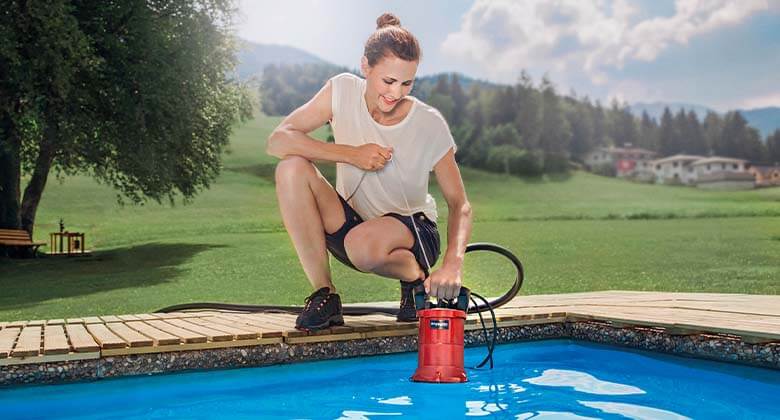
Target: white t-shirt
[(419, 141)]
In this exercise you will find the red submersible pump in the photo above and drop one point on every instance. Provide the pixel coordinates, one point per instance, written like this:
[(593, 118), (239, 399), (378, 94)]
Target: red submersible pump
[(442, 327), (440, 340)]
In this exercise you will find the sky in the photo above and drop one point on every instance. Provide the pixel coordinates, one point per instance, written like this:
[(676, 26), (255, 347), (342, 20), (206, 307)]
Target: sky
[(724, 54)]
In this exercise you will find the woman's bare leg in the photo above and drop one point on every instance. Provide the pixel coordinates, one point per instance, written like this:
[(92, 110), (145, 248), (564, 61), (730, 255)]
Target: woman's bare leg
[(310, 207), (382, 246)]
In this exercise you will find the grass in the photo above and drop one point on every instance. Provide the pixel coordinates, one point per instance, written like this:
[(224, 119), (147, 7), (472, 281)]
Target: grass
[(576, 233)]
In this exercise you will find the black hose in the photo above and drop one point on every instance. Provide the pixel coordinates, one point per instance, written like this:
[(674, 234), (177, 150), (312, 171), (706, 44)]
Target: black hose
[(365, 310)]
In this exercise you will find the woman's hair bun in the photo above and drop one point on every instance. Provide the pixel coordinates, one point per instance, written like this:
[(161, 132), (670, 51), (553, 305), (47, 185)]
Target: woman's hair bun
[(387, 19)]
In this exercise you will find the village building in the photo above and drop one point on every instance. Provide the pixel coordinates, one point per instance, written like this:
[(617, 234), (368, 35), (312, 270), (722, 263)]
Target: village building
[(722, 173), (623, 162), (766, 175), (675, 170)]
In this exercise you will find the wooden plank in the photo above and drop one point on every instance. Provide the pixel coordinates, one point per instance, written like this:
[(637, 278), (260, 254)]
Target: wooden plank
[(59, 321), (159, 337), (289, 319), (104, 337), (37, 322), (110, 318), (215, 323), (212, 334), (48, 358), (54, 340), (28, 343), (192, 346), (184, 335), (130, 336), (16, 324), (80, 339), (92, 320), (287, 329), (7, 340), (254, 325), (144, 317), (74, 321)]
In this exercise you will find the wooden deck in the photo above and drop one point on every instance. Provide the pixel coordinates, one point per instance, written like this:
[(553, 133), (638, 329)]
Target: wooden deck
[(753, 318)]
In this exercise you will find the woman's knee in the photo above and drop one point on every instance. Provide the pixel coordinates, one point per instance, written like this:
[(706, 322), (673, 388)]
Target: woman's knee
[(364, 253), (293, 168)]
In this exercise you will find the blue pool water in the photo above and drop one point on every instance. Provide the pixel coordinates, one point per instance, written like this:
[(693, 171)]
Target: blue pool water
[(539, 380)]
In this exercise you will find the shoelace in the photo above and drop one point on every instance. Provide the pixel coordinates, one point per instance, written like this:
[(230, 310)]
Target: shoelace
[(308, 301)]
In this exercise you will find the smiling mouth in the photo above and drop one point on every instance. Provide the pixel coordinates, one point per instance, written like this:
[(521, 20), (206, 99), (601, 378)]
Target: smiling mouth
[(389, 102)]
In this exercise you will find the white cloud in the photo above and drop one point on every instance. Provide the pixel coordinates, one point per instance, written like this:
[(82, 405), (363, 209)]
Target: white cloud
[(760, 101), (596, 36)]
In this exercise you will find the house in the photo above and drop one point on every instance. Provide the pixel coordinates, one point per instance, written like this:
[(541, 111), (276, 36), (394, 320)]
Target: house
[(621, 161), (675, 169), (723, 173), (766, 175)]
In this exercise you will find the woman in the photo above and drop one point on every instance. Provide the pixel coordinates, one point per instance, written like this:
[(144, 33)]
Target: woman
[(380, 218)]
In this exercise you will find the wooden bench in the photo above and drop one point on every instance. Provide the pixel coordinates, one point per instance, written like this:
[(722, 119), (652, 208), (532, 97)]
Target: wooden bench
[(19, 238)]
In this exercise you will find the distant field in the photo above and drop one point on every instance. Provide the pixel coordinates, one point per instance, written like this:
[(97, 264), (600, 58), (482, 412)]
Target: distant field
[(582, 232)]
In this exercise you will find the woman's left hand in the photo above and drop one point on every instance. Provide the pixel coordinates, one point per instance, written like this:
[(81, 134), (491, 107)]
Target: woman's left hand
[(444, 283)]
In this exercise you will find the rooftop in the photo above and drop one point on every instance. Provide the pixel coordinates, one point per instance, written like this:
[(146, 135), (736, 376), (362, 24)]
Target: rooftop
[(718, 159), (678, 158)]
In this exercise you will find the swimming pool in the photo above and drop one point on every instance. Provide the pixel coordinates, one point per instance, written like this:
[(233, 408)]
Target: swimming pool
[(543, 379)]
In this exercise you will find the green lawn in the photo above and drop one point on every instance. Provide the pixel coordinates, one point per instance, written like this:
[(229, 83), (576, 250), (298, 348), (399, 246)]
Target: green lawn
[(576, 233)]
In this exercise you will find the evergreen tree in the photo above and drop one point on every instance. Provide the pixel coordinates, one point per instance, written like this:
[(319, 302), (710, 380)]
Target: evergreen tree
[(625, 127), (712, 127), (773, 147), (681, 137), (503, 106), (695, 133), (739, 140), (459, 99), (556, 133), (666, 134), (444, 104), (578, 116), (442, 85), (648, 132), (599, 119), (528, 111)]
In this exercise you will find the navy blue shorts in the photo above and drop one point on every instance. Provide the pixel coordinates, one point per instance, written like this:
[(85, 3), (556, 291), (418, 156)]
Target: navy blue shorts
[(429, 235)]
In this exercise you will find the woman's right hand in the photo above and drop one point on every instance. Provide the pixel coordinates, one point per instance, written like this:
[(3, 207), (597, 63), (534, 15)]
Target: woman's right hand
[(371, 156)]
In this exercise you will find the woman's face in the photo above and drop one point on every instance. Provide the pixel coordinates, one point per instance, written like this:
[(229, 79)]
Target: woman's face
[(388, 81)]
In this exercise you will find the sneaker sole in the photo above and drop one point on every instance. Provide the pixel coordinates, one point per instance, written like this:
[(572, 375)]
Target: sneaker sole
[(335, 320)]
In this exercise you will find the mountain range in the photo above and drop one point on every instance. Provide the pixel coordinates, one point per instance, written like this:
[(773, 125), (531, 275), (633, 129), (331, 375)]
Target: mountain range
[(766, 120), (253, 57)]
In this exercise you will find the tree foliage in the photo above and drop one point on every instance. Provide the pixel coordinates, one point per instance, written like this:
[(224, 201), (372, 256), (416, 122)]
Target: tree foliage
[(137, 94)]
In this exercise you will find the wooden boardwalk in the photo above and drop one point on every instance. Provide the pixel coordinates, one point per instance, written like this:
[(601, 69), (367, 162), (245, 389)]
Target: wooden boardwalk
[(753, 318)]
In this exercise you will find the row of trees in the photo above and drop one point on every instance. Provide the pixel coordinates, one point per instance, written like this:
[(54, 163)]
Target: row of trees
[(530, 129), (134, 93)]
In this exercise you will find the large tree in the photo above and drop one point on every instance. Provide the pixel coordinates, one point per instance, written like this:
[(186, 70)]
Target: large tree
[(138, 94)]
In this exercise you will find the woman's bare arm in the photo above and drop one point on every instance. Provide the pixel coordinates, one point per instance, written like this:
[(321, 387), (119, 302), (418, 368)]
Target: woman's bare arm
[(447, 280), (291, 136)]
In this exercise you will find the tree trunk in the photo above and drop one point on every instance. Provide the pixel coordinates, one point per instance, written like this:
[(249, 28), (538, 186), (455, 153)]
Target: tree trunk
[(10, 175), (34, 189)]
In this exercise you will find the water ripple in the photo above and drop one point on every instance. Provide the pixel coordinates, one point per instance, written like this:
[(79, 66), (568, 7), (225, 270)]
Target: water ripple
[(633, 411), (582, 382)]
